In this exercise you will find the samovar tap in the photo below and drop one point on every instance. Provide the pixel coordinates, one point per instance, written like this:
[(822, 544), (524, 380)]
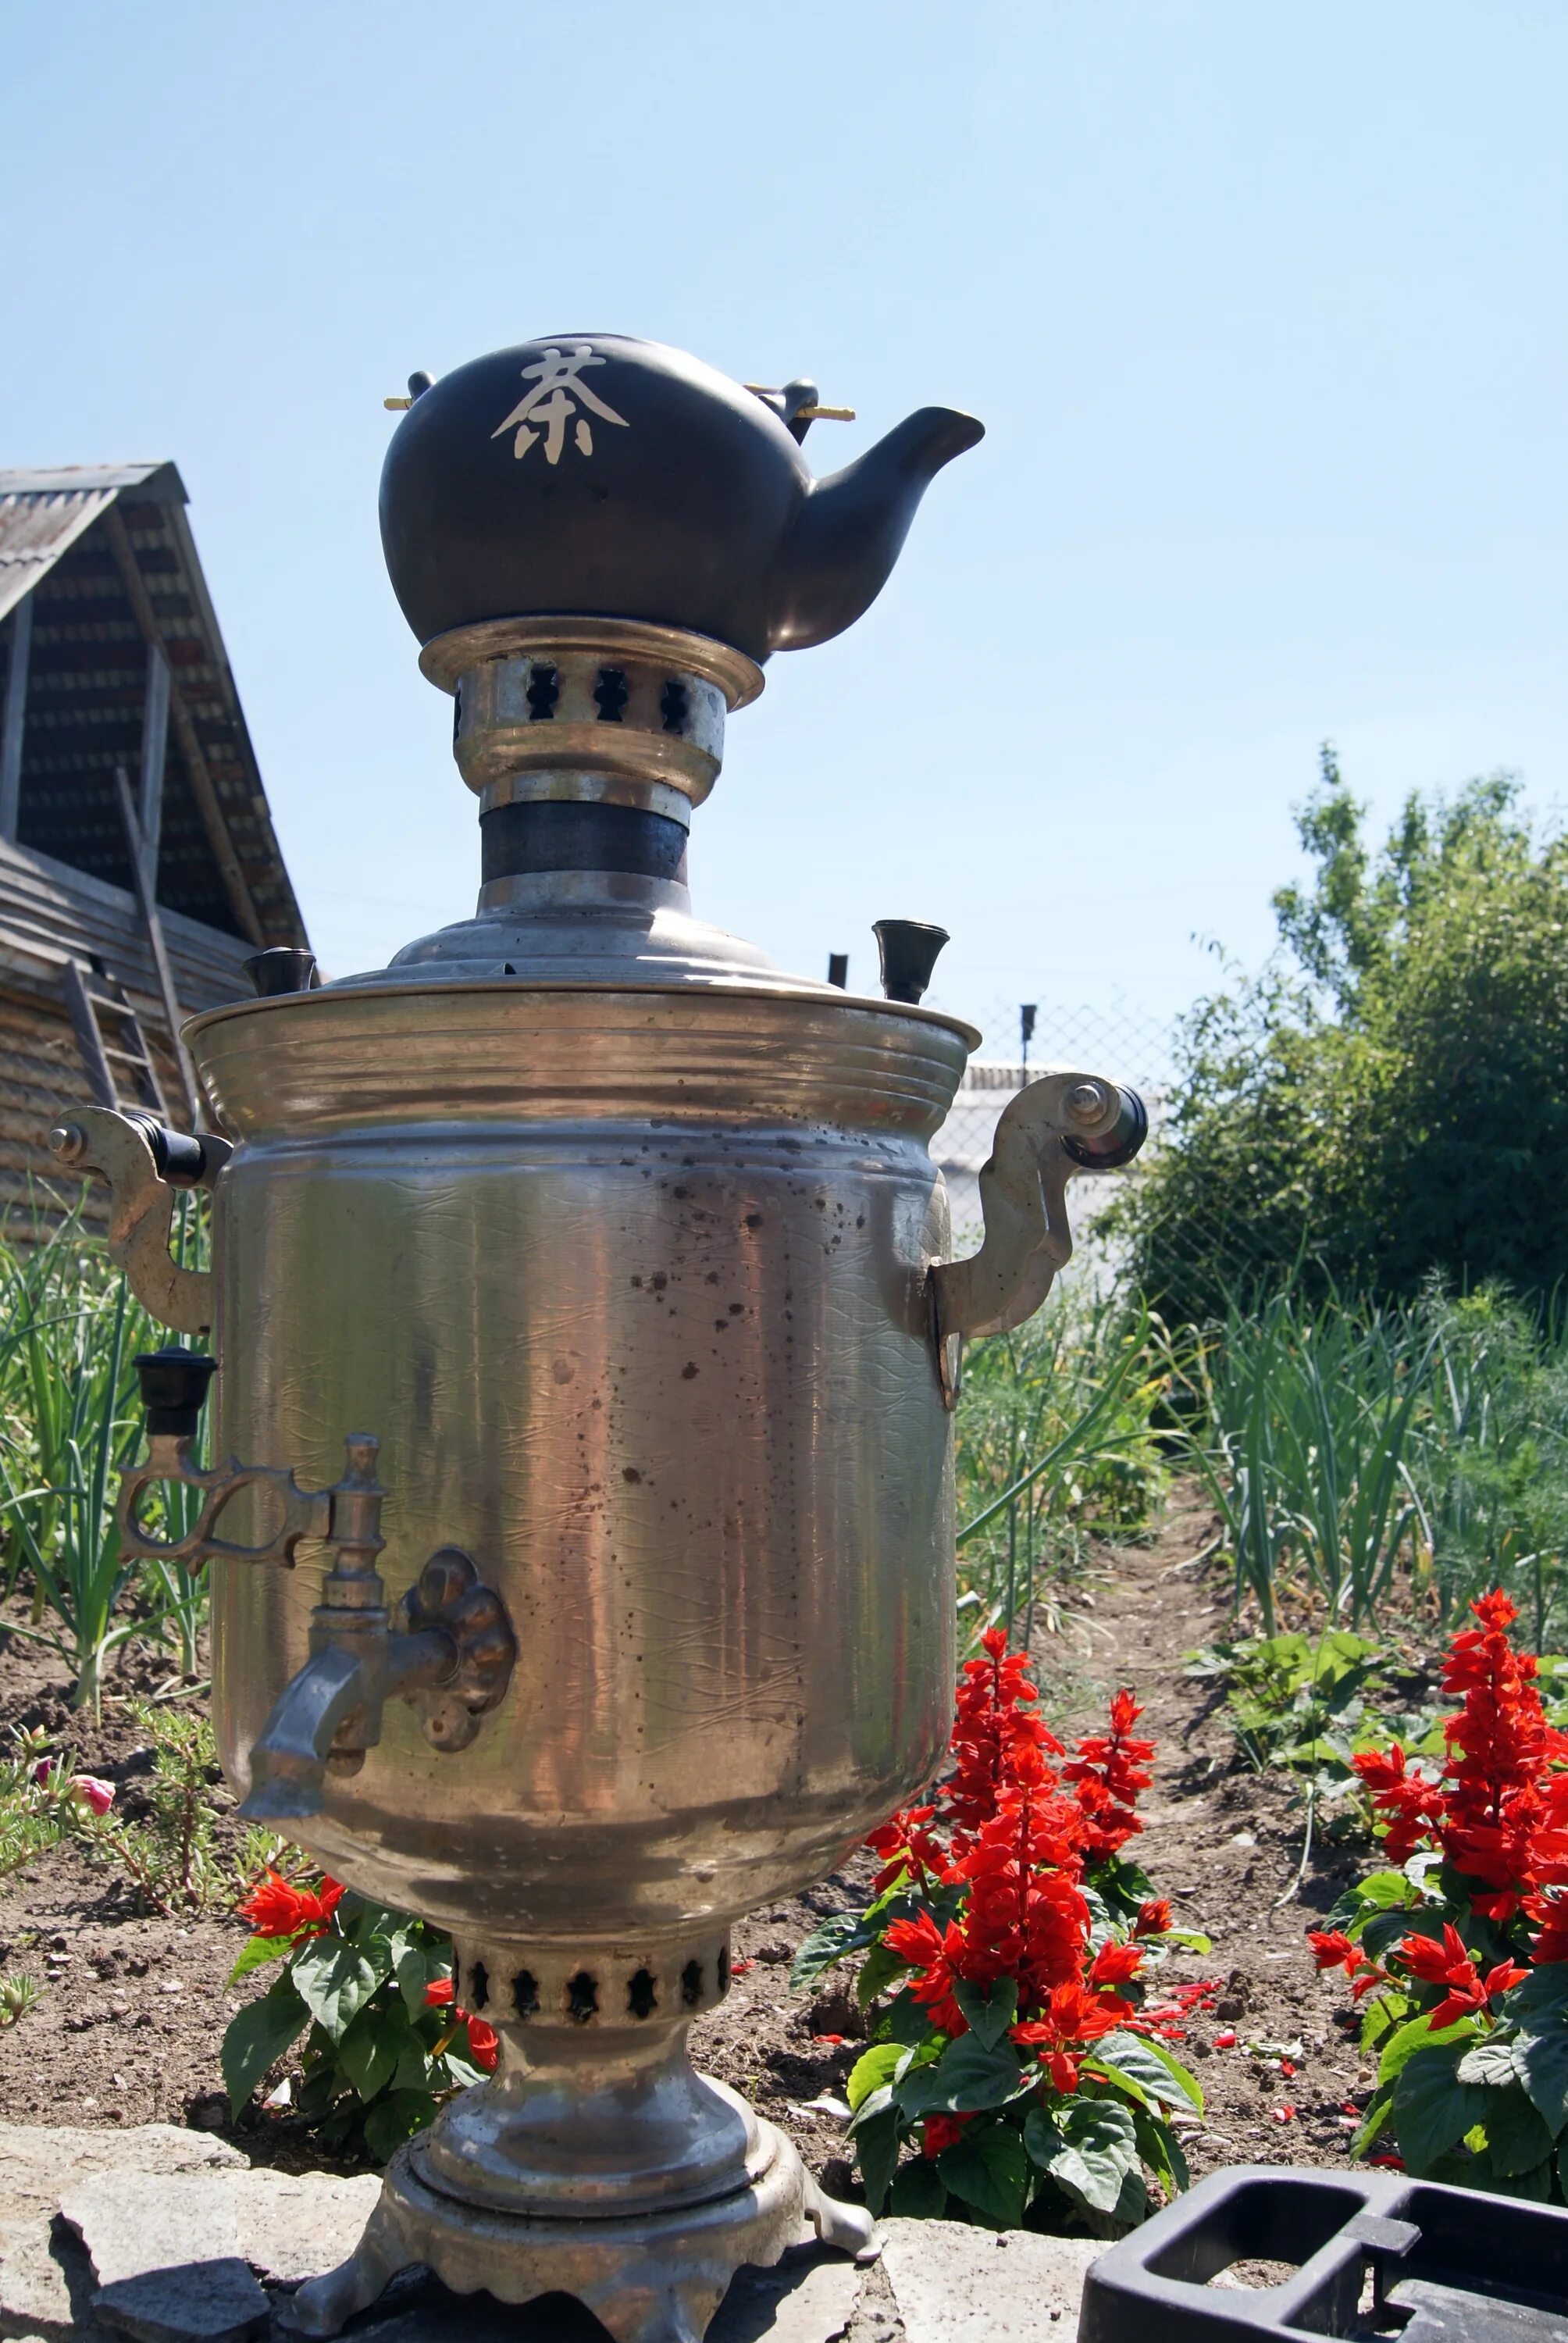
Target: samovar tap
[(449, 1647)]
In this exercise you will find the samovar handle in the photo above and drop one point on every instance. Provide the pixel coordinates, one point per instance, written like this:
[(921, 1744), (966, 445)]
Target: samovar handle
[(146, 1167), (1059, 1124)]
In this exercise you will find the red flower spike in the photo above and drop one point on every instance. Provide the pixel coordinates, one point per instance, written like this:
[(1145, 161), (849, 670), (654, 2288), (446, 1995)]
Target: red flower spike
[(276, 1908), (1154, 1917)]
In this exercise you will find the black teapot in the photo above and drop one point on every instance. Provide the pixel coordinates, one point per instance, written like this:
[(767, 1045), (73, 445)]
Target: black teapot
[(609, 477)]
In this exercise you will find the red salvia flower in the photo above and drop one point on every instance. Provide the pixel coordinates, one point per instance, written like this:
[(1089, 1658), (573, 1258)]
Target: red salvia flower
[(1333, 1949), (1107, 1775), (276, 1908), (484, 2045), (1154, 1917), (941, 2131)]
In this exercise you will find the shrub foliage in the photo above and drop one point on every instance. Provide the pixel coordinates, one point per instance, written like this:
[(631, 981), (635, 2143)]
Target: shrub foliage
[(1391, 1096)]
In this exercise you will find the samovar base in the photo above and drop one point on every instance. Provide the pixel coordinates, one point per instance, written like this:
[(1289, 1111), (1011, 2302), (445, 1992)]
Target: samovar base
[(655, 2276)]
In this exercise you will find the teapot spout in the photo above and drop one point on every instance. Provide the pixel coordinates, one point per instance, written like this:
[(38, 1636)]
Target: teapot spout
[(841, 550)]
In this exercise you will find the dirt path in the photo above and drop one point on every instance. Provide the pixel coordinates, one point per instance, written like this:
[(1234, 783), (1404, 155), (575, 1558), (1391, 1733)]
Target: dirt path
[(133, 2010), (1225, 1844)]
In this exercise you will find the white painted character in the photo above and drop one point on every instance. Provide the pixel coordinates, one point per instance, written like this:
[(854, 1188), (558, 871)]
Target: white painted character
[(556, 396)]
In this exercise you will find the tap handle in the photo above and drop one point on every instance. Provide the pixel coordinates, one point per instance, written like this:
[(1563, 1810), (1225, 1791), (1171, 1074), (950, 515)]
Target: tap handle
[(908, 949), (173, 1383)]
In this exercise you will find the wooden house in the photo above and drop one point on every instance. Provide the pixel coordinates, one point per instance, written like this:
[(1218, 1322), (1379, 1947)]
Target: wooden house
[(139, 866)]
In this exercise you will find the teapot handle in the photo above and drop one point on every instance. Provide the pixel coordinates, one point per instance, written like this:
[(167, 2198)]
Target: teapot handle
[(1059, 1124)]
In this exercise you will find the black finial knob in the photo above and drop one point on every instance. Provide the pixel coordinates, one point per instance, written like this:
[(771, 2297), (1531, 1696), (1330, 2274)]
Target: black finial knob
[(284, 968), (909, 948), (173, 1383), (1121, 1143), (419, 382)]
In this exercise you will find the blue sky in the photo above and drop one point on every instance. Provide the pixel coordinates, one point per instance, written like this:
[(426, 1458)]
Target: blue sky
[(1263, 308)]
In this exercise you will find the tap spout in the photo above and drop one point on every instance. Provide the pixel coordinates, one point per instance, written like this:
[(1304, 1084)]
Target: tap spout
[(331, 1711)]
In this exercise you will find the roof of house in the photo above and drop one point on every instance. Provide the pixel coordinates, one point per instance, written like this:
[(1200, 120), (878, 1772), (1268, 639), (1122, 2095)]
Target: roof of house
[(106, 554)]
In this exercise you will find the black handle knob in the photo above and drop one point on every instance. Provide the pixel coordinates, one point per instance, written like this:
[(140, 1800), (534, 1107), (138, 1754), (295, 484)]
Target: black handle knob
[(173, 1383), (1118, 1145), (178, 1156), (908, 949), (285, 969)]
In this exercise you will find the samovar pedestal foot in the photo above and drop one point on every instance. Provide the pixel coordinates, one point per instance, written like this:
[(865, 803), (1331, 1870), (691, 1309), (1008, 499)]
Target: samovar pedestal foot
[(652, 2277), (595, 2161)]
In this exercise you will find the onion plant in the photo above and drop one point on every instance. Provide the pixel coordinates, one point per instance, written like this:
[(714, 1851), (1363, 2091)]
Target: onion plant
[(69, 1422), (1056, 1435)]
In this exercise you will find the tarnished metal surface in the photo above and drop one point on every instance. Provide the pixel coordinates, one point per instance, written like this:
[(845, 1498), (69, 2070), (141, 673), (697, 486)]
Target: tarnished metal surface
[(533, 717), (96, 1139), (633, 1287)]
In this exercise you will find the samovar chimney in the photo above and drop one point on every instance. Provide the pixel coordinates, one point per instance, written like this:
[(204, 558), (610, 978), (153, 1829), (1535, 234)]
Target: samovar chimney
[(628, 1247)]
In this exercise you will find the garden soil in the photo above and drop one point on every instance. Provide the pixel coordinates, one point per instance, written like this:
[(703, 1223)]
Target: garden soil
[(134, 2005)]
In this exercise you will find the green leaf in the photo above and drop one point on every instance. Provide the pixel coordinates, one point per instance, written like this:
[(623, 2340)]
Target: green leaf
[(990, 2014), (416, 1965), (372, 2047), (877, 2153), (258, 2034), (1432, 2109), (1381, 1891), (967, 2079), (1540, 2005), (257, 1953), (1373, 2119), (1419, 2033), (1161, 2151), (1095, 2149), (906, 2021), (334, 1979), (872, 2069), (1540, 2062), (989, 2170), (1156, 2070), (879, 1970), (834, 1939), (1489, 2061), (918, 2191), (395, 2118), (1132, 2205), (1516, 2138)]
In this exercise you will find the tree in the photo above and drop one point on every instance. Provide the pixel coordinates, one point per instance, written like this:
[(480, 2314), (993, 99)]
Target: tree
[(1390, 1096)]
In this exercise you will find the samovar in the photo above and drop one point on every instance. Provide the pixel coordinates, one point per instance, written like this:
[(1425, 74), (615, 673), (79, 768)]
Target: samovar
[(629, 1249)]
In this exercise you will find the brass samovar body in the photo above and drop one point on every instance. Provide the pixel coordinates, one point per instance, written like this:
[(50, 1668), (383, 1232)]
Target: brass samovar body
[(627, 1251), (612, 1274)]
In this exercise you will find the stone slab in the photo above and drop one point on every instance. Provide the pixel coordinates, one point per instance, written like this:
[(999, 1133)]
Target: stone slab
[(954, 2284), (215, 2301), (45, 2278), (294, 2225), (810, 2296), (134, 2222), (164, 2250)]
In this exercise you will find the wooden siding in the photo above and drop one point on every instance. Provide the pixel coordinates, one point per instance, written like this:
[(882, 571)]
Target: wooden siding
[(49, 913)]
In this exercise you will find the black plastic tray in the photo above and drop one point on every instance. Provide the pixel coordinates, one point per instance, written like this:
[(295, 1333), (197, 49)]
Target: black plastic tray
[(1377, 2254)]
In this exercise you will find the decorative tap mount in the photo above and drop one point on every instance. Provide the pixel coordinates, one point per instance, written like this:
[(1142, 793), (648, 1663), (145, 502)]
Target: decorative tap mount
[(631, 1246)]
